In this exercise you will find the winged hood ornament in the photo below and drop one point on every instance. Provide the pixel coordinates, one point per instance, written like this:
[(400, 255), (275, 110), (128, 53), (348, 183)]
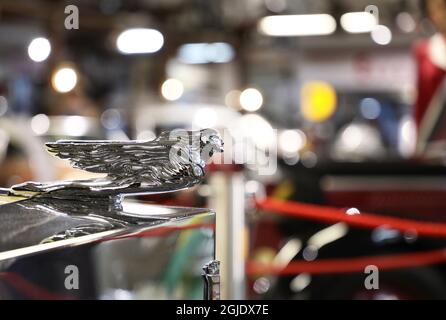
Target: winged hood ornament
[(173, 161)]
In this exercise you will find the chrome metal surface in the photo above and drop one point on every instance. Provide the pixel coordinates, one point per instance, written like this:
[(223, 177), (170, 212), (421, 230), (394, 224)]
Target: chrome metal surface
[(229, 201), (34, 225), (211, 277), (126, 249), (140, 252), (173, 161)]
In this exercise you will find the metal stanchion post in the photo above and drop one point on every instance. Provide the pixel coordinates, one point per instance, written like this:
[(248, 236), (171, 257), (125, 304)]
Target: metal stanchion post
[(228, 200)]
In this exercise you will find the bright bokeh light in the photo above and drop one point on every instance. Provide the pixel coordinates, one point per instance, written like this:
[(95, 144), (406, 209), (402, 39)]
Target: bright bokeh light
[(40, 124), (297, 25), (39, 49), (75, 126), (381, 35), (328, 235), (139, 41), (318, 101), (205, 118), (358, 141), (352, 211), (111, 119), (64, 79), (251, 99), (252, 186), (286, 254), (232, 99), (261, 285), (358, 22), (197, 53), (172, 89), (300, 282), (407, 136), (406, 22), (370, 108), (291, 141), (258, 130)]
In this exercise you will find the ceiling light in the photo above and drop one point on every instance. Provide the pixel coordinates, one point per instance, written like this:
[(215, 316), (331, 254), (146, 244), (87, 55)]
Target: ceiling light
[(39, 49), (197, 53), (139, 41), (297, 25), (358, 22)]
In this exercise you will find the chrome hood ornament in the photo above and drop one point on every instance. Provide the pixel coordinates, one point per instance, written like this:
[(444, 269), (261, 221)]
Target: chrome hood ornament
[(173, 161)]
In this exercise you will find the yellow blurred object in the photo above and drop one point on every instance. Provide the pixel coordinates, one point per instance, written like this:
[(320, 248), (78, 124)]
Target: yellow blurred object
[(318, 101), (264, 255), (283, 191)]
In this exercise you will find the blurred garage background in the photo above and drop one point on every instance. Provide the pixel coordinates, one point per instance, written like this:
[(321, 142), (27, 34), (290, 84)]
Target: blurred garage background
[(345, 96)]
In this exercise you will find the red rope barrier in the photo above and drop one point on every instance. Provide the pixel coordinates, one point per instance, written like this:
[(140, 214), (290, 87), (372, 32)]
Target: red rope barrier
[(362, 220), (349, 265)]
